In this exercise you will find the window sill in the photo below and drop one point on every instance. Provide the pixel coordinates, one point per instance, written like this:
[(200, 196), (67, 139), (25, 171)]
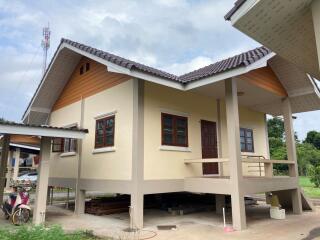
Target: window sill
[(174, 148), (104, 150), (68, 154)]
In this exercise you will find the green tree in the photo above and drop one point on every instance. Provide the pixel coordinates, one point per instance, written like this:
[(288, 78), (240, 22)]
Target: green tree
[(275, 128), (313, 137), (308, 157)]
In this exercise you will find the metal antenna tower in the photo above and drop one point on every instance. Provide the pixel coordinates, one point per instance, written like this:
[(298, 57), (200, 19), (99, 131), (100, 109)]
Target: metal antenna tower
[(45, 45)]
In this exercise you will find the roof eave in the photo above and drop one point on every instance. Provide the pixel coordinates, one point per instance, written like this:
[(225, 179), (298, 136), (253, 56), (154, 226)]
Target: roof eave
[(241, 10), (231, 73)]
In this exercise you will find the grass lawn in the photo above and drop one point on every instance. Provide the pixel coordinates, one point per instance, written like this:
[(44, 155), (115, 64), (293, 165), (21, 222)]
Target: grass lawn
[(43, 233), (309, 188)]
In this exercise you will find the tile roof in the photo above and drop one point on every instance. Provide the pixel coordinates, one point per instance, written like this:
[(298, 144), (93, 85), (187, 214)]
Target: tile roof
[(243, 59), (120, 61), (240, 60), (236, 6), (7, 123)]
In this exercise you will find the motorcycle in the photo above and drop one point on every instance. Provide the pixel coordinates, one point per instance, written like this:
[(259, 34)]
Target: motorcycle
[(17, 206)]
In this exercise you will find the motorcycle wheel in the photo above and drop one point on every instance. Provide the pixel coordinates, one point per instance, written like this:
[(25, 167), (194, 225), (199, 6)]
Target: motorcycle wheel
[(21, 216)]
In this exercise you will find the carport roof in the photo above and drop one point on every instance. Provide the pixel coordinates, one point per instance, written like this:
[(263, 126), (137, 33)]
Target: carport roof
[(41, 130)]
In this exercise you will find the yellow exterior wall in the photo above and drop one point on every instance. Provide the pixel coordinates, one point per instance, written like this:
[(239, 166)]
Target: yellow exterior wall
[(64, 167), (111, 165), (114, 165), (164, 164)]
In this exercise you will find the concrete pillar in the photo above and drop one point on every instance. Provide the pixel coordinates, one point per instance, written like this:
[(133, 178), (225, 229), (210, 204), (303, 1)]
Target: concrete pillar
[(3, 164), (80, 194), (292, 154), (16, 155), (42, 184), (137, 155), (220, 203), (219, 128), (80, 202), (233, 127), (315, 8)]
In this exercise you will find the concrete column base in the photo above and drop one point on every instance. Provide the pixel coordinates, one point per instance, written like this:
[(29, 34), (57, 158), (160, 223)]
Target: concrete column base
[(136, 211), (238, 212), (40, 204), (220, 203), (296, 201), (80, 202)]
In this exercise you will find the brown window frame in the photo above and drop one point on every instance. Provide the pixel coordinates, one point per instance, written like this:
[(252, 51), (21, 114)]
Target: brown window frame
[(104, 144), (245, 140), (57, 145), (174, 131), (71, 143)]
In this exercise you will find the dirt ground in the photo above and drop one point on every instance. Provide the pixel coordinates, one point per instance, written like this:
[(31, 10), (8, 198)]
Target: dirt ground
[(204, 225)]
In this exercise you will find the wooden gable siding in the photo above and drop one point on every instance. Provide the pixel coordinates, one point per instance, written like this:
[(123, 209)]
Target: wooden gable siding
[(265, 78), (22, 139), (95, 80)]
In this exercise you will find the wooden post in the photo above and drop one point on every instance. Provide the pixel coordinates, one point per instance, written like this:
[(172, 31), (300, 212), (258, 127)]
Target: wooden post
[(16, 167), (235, 164), (9, 172), (3, 164), (42, 184)]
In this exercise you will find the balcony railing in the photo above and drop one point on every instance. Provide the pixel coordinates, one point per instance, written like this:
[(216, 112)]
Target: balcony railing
[(263, 164)]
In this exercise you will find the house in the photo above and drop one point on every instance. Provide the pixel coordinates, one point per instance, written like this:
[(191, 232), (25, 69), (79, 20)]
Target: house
[(154, 132)]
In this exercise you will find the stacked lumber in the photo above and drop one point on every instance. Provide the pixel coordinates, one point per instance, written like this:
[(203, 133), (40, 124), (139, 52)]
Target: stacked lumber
[(106, 206)]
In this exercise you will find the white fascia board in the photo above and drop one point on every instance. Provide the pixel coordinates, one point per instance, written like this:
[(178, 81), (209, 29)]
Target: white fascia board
[(39, 88), (24, 146), (38, 131), (229, 74), (245, 8), (118, 69), (40, 109), (314, 84)]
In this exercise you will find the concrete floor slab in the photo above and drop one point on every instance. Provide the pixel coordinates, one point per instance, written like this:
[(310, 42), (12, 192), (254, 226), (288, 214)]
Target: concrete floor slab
[(204, 225)]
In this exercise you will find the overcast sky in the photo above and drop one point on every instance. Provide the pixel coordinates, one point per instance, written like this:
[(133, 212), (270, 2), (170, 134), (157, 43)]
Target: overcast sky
[(174, 35)]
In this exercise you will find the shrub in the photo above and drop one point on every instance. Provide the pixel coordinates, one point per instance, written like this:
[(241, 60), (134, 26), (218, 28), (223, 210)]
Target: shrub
[(315, 176)]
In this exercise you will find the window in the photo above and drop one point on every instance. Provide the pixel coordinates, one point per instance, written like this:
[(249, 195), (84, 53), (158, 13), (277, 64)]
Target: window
[(174, 130), (64, 145), (81, 70), (87, 67), (70, 145), (57, 145), (246, 140), (105, 132)]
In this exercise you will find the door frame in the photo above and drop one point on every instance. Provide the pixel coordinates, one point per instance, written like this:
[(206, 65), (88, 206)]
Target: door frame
[(216, 128)]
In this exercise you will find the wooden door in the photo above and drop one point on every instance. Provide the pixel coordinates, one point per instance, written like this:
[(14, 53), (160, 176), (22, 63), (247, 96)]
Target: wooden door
[(209, 146)]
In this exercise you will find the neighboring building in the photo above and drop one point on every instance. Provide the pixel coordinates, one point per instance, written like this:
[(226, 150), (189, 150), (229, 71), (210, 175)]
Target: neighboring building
[(23, 157), (154, 132)]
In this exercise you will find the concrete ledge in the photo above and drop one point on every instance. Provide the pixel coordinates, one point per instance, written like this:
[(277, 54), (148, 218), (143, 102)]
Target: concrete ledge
[(255, 185), (207, 185), (107, 186), (163, 186), (63, 182)]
